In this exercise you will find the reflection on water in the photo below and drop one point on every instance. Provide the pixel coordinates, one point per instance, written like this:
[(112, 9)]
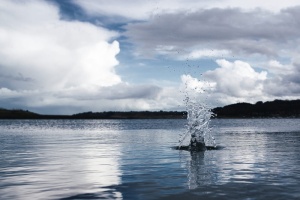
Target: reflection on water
[(37, 164), (197, 175), (132, 159)]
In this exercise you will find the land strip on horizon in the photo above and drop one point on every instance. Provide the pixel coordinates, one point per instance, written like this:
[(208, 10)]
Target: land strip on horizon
[(270, 109)]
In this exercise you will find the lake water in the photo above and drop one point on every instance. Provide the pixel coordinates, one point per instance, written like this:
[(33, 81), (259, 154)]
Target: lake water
[(133, 159)]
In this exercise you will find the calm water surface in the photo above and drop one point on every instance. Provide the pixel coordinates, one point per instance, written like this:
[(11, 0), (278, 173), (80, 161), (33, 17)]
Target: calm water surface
[(133, 159)]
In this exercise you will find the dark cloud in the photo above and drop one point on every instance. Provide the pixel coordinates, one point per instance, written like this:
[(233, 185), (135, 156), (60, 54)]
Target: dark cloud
[(10, 80), (256, 31), (288, 85), (123, 91), (115, 92), (283, 81), (279, 87), (18, 77)]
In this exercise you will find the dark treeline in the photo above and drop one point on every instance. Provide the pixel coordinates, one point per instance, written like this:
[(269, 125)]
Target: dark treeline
[(21, 114), (25, 114), (132, 115), (277, 108)]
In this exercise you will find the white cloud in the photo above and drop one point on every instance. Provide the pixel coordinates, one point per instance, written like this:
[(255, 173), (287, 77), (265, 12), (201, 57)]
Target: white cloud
[(231, 82), (42, 54), (237, 79), (53, 53)]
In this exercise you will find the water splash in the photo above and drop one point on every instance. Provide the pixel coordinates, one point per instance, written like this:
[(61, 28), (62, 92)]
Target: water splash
[(199, 115)]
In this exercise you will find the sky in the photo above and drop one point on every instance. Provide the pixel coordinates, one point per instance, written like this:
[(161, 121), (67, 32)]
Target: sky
[(71, 56)]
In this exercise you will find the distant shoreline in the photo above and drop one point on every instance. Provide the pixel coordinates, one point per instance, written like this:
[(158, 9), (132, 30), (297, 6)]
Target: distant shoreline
[(21, 114), (269, 109), (272, 109)]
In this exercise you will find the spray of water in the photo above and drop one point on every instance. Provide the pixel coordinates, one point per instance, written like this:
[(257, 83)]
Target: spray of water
[(198, 120)]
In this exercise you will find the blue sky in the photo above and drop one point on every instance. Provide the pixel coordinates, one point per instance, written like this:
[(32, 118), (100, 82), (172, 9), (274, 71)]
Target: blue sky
[(69, 56)]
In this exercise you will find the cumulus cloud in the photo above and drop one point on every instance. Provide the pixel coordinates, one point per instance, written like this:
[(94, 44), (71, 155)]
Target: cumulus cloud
[(234, 30), (53, 53), (47, 63), (231, 82), (238, 81)]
